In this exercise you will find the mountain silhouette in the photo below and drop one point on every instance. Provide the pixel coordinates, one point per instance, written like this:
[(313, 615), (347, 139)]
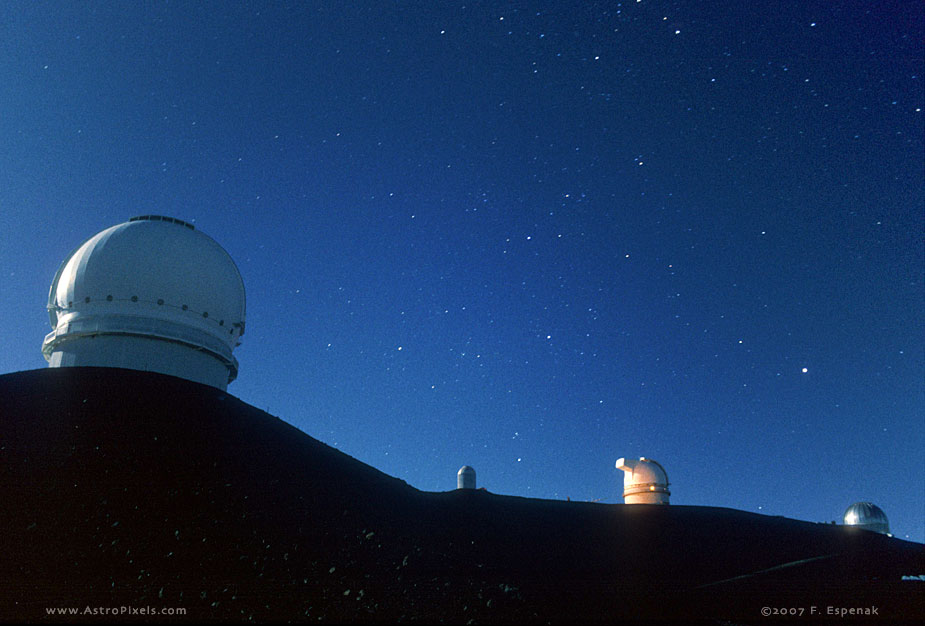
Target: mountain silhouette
[(122, 488)]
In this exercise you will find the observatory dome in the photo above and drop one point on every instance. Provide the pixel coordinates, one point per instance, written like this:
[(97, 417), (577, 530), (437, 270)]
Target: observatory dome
[(465, 478), (150, 294), (644, 482), (868, 516)]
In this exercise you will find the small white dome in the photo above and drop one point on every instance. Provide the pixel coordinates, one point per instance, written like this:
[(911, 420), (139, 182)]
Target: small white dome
[(148, 282), (644, 481), (465, 478), (868, 516)]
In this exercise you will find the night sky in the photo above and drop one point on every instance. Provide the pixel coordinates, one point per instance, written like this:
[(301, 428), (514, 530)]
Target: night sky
[(527, 237)]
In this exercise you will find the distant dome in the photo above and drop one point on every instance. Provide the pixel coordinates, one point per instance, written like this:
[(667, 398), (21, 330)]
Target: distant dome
[(465, 478), (150, 294), (644, 481), (868, 516)]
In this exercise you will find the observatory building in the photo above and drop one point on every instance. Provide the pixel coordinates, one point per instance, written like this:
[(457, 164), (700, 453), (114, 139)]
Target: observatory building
[(151, 294), (465, 478), (645, 481), (868, 516)]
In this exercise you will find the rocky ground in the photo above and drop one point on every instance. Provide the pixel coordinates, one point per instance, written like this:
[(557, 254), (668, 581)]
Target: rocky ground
[(143, 491)]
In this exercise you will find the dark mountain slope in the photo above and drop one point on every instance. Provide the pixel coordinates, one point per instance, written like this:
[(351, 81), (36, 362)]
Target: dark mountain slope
[(123, 488)]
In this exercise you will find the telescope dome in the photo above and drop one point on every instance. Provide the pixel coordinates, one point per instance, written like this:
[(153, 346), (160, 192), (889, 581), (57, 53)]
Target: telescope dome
[(868, 516), (150, 294), (465, 478), (644, 481)]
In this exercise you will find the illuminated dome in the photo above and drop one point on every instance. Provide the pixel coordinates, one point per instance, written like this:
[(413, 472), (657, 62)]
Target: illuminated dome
[(150, 294), (644, 482), (868, 516)]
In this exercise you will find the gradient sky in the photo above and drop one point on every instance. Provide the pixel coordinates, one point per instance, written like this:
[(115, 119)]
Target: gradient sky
[(527, 237)]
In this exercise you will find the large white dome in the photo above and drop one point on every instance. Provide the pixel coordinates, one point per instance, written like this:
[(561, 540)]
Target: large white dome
[(152, 294)]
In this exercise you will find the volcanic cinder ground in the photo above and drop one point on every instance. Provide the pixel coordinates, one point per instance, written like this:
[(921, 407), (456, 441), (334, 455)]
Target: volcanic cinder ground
[(133, 489)]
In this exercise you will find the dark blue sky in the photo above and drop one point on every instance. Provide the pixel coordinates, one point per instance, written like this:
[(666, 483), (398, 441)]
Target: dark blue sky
[(528, 237)]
